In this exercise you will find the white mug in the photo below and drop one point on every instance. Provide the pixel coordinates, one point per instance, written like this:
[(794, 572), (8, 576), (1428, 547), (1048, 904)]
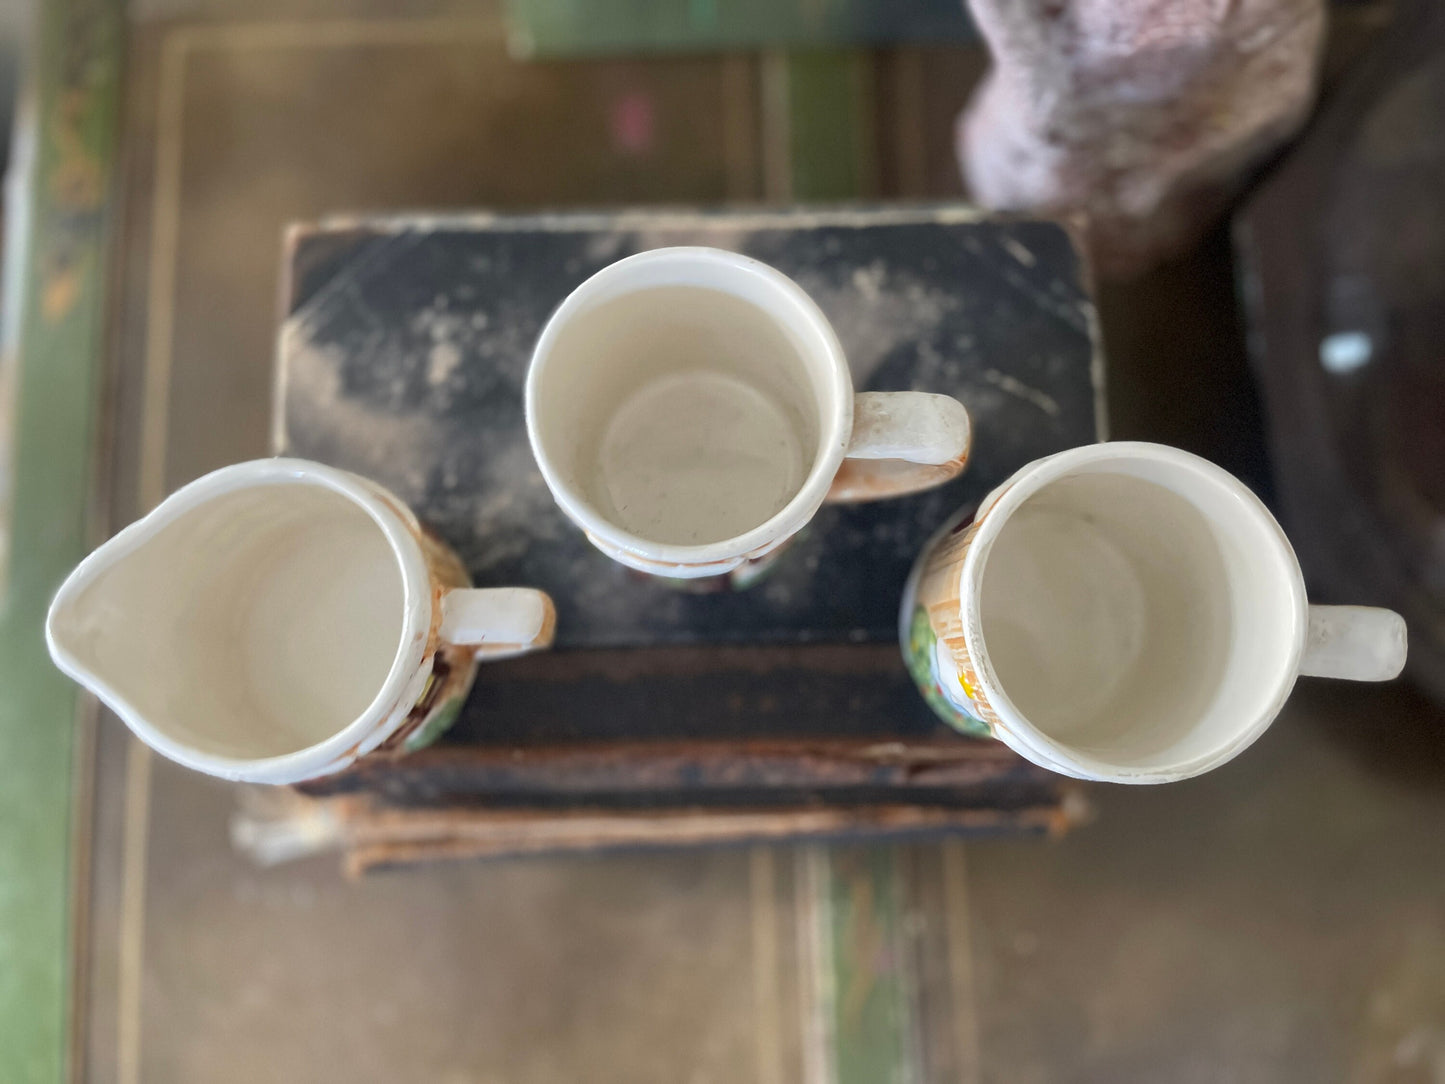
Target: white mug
[(276, 620), (691, 409), (1125, 612)]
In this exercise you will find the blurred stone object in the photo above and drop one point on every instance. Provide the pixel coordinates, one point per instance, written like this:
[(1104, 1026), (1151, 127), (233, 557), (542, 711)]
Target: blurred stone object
[(1342, 259), (1142, 114)]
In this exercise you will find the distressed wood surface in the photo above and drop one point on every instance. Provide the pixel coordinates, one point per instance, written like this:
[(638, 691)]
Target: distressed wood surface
[(406, 348), (384, 837), (402, 357), (939, 771)]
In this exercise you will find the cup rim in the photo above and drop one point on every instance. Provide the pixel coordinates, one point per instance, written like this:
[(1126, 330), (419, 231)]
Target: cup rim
[(836, 427), (1026, 737), (395, 522)]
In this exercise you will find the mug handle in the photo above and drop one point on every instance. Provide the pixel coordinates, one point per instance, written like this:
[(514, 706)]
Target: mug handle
[(902, 442), (1361, 643), (498, 622)]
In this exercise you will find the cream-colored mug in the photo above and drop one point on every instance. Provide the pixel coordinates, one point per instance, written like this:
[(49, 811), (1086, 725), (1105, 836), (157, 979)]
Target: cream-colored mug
[(691, 409), (1125, 612), (276, 620)]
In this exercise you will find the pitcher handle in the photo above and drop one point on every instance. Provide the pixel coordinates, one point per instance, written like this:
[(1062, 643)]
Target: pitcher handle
[(902, 442), (498, 622), (1361, 643)]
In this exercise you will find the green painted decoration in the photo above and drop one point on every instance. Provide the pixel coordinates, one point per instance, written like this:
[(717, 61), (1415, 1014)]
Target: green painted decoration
[(54, 326)]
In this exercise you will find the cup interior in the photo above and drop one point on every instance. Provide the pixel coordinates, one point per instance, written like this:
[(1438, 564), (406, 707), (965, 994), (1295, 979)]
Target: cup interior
[(256, 624), (1140, 614), (688, 405)]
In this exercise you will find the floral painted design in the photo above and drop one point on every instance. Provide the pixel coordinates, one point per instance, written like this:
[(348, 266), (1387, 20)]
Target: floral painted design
[(921, 656)]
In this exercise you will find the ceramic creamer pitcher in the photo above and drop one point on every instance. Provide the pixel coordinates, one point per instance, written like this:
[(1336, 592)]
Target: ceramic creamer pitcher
[(1125, 612), (276, 620)]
